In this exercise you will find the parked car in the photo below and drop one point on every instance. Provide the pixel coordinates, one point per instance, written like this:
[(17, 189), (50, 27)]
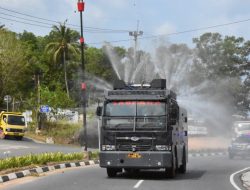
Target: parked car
[(240, 146)]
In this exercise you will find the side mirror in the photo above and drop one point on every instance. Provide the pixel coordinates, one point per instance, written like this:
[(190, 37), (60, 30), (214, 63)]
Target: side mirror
[(99, 111)]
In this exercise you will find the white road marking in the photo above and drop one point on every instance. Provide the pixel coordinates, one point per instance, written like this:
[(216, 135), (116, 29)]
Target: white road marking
[(232, 178), (138, 184)]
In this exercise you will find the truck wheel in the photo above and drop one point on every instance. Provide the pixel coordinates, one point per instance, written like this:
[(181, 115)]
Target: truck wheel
[(183, 167), (171, 172), (111, 172)]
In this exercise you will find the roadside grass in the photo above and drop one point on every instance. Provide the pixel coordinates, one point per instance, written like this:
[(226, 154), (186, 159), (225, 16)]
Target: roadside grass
[(62, 132), (43, 159)]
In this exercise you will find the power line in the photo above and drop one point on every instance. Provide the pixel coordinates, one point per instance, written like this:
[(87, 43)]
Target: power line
[(25, 22), (24, 18), (45, 23), (181, 32), (54, 21)]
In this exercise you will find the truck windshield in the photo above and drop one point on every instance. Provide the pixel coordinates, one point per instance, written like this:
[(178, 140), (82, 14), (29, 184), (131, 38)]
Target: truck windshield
[(135, 114), (135, 108), (16, 120)]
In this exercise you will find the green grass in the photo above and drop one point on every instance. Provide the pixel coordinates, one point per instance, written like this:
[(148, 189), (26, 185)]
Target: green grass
[(39, 159), (62, 132)]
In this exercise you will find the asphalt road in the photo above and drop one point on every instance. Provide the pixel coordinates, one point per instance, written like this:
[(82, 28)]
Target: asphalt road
[(204, 173), (9, 147)]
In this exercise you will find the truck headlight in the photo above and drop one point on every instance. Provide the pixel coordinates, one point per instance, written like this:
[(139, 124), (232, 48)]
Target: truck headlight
[(163, 147), (108, 147)]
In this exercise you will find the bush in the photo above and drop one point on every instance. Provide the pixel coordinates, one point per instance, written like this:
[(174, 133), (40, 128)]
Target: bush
[(39, 159)]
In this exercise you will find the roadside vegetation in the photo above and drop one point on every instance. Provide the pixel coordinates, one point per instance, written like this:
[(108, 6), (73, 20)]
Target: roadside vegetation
[(62, 132), (33, 160)]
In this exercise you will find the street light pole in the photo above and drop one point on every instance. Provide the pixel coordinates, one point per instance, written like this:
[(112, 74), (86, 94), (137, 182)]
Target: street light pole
[(80, 6)]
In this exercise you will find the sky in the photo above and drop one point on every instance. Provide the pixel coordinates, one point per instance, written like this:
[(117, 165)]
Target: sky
[(155, 17)]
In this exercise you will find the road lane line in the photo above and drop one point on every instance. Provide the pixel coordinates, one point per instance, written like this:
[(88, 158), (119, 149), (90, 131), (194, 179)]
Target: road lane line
[(232, 178), (138, 184)]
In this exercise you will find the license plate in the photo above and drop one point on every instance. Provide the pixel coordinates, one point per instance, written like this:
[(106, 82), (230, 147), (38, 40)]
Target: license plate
[(134, 155)]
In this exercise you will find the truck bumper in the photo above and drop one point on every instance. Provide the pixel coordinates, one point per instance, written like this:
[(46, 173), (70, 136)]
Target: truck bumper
[(148, 160), (14, 134)]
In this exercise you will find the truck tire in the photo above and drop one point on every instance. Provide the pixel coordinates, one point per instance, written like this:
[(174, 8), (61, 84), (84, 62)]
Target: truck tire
[(171, 172), (111, 172), (183, 168)]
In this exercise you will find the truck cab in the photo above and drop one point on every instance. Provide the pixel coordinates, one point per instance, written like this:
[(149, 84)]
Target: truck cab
[(12, 124)]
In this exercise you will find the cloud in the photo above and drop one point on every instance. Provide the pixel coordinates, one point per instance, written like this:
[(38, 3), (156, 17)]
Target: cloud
[(165, 28)]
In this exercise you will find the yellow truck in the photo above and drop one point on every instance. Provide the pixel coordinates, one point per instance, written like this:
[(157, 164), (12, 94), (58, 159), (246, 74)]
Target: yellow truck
[(12, 124)]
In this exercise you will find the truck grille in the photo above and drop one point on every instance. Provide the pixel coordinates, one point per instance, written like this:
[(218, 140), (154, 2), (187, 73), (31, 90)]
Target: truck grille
[(135, 142), (134, 147)]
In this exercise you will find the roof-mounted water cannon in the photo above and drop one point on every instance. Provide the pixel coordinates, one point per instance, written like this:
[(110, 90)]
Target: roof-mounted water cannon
[(158, 83), (119, 85)]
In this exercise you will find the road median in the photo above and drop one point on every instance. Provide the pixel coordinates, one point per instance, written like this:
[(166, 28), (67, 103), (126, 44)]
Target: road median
[(18, 167), (39, 170)]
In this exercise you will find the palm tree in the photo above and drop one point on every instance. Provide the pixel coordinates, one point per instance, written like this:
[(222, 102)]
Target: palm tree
[(64, 44)]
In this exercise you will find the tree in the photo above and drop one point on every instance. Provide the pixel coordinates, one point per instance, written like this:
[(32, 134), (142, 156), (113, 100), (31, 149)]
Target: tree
[(13, 65), (64, 44), (97, 63), (224, 64)]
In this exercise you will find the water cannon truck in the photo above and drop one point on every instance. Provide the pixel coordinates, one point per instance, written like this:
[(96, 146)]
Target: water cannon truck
[(142, 127)]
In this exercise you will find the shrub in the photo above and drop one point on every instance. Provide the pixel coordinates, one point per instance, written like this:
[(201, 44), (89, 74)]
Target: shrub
[(39, 159)]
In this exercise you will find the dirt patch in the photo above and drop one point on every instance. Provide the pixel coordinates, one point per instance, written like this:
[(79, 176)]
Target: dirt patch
[(201, 143)]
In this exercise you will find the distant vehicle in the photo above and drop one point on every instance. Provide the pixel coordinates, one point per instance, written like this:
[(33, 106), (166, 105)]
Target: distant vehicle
[(12, 124), (241, 128), (240, 146), (142, 127)]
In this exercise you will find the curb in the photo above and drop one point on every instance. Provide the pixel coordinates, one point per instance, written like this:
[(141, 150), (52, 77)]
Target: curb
[(34, 140), (45, 169), (245, 178)]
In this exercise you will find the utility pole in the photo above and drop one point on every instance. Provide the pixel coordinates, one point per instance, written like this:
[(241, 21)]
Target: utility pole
[(80, 6), (38, 116), (135, 34)]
